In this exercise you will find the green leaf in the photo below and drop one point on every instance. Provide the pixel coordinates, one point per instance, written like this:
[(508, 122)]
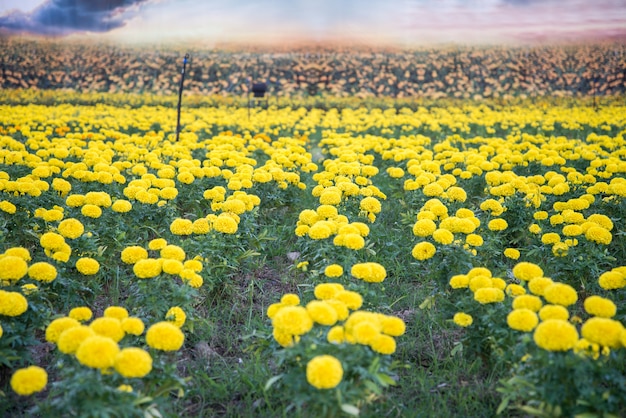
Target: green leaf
[(271, 381), (386, 379), (350, 409), (428, 303)]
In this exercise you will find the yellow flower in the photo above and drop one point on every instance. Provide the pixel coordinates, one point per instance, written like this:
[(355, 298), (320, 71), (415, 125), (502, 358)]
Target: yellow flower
[(555, 335), (108, 327), (157, 244), (392, 325), (125, 388), (462, 319), (91, 211), (42, 272), (87, 266), (147, 268), (81, 313), (12, 268), (550, 238), (599, 235), (369, 272), (522, 319), (423, 251), (133, 325), (71, 228), (497, 224), (20, 252), (29, 380), (514, 290), (612, 280), (333, 270), (293, 320), (176, 315), (324, 372), (527, 271), (290, 299), (352, 300), (370, 204), (133, 362), (553, 312), (560, 294), (383, 344), (121, 206), (603, 331), (117, 312), (478, 282), (132, 254), (443, 236), (97, 352), (512, 253), (459, 281), (486, 295), (225, 224), (474, 240), (7, 207), (424, 228), (322, 312), (165, 336), (599, 306), (57, 326), (528, 302), (70, 339), (181, 226), (325, 291), (173, 252), (336, 335)]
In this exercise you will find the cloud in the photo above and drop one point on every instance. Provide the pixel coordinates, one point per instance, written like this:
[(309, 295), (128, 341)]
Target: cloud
[(61, 17)]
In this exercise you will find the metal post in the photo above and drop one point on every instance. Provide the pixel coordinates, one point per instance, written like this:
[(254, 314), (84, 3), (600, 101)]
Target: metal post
[(180, 95)]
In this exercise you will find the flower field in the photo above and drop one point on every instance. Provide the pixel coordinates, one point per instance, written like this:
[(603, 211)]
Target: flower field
[(428, 258)]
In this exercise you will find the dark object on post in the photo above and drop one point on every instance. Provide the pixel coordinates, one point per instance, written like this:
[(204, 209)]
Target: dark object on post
[(259, 89), (180, 95)]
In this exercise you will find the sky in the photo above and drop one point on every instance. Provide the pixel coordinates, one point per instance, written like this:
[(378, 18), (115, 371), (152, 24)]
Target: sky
[(392, 22)]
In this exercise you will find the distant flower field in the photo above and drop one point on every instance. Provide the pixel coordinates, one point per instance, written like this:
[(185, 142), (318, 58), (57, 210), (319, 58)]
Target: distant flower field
[(124, 253)]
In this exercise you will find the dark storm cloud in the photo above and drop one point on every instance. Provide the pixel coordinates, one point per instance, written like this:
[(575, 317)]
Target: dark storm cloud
[(60, 17)]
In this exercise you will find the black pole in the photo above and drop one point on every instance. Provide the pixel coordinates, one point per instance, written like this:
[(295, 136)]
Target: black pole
[(180, 95)]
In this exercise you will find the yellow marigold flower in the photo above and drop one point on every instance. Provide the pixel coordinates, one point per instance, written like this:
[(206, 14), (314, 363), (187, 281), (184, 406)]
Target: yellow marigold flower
[(383, 344), (530, 302), (70, 339), (603, 331), (7, 207), (97, 352), (132, 325), (602, 220), (369, 272), (333, 270), (599, 235), (352, 300), (201, 226), (91, 211), (553, 312), (117, 312), (336, 335), (42, 272), (474, 240), (168, 193), (392, 325), (459, 281), (193, 265), (492, 205), (108, 327), (522, 319), (75, 200), (560, 294), (456, 194), (290, 299), (20, 252), (325, 291), (515, 290), (478, 282), (125, 388), (173, 252), (57, 326), (527, 271), (370, 205), (71, 228), (181, 226), (540, 215), (534, 229), (512, 253), (423, 251), (87, 266), (599, 306), (293, 320), (225, 224), (462, 319), (486, 295), (121, 206), (29, 380), (157, 244), (133, 362), (52, 215), (497, 224), (572, 230), (612, 280), (12, 268), (538, 285), (443, 236), (320, 230), (324, 372), (555, 335), (81, 313), (134, 253), (424, 227), (165, 336), (176, 315), (550, 238), (29, 288), (147, 268), (170, 266), (322, 312), (12, 303)]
